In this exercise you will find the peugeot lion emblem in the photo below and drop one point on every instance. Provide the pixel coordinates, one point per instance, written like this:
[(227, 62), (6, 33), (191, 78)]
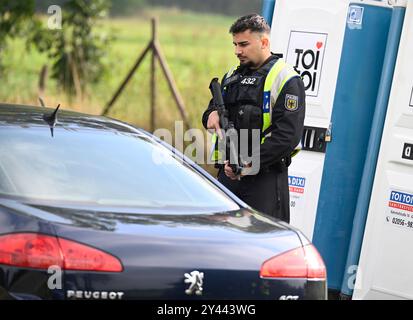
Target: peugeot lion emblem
[(195, 280)]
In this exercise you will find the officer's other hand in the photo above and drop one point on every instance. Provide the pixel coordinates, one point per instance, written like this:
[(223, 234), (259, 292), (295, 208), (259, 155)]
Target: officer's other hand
[(213, 123), (228, 171), (246, 169)]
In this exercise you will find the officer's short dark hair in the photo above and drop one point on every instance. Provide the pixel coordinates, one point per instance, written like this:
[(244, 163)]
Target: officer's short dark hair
[(253, 22)]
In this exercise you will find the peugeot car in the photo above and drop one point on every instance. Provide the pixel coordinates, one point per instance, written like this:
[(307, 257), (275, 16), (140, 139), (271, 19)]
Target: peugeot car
[(94, 208)]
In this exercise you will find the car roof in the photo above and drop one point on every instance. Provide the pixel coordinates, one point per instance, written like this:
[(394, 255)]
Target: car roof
[(26, 116)]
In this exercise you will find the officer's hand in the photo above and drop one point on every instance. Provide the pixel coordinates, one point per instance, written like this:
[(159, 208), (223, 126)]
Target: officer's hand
[(213, 123), (246, 169), (228, 171)]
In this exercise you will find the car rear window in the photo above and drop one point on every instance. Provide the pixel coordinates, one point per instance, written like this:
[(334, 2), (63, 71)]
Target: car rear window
[(108, 168)]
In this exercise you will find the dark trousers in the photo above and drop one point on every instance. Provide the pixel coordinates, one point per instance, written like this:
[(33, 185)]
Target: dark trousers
[(266, 192)]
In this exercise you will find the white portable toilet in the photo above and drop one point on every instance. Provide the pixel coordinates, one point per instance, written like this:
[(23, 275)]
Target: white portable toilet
[(386, 260), (338, 47), (311, 35)]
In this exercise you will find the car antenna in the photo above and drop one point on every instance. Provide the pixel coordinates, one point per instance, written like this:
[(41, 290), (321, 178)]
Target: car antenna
[(51, 119)]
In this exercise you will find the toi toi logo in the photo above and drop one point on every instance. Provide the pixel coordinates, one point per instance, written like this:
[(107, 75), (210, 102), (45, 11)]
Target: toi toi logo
[(307, 64), (306, 54)]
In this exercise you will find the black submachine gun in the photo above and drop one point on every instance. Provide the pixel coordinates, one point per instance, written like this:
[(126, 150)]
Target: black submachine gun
[(230, 133)]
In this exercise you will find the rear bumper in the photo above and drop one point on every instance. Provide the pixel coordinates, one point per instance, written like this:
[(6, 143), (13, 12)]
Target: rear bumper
[(20, 284)]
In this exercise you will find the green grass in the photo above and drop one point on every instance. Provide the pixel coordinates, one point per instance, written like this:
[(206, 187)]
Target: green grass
[(197, 47)]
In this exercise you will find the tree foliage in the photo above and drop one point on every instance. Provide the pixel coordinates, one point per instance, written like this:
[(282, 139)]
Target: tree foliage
[(77, 49), (14, 21)]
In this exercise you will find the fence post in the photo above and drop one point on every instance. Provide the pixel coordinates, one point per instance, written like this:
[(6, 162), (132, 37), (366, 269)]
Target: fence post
[(153, 74), (155, 47)]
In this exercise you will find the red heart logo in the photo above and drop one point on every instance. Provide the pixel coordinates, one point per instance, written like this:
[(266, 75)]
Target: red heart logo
[(319, 45)]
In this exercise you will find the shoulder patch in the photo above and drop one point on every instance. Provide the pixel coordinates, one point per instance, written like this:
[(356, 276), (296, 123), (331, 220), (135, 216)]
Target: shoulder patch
[(291, 102)]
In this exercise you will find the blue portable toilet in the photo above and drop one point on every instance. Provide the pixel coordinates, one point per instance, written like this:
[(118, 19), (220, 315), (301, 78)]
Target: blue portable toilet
[(338, 47)]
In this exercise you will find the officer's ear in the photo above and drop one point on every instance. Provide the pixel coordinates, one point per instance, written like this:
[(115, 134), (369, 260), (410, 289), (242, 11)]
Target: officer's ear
[(265, 41)]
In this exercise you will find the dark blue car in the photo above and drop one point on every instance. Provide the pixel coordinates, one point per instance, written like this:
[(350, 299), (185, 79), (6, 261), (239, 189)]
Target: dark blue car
[(93, 208)]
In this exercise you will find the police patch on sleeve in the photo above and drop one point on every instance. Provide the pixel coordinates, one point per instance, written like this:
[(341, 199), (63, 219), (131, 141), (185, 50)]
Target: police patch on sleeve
[(291, 102)]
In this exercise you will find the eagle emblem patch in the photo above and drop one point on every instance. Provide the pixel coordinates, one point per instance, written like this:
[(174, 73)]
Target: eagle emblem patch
[(291, 102)]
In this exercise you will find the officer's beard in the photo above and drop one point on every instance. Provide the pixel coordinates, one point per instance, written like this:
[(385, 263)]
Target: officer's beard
[(247, 65)]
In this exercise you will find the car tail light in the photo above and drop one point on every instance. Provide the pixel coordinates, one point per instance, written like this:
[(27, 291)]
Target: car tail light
[(32, 250), (303, 262), (81, 257)]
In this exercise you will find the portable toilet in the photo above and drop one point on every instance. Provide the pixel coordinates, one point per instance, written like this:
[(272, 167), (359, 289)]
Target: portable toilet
[(338, 47), (386, 263)]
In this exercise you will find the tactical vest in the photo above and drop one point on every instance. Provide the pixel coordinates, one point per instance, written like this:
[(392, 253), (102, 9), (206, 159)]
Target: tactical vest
[(251, 95)]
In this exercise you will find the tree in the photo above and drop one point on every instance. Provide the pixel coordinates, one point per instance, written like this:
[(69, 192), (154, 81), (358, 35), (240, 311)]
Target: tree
[(76, 49), (13, 21)]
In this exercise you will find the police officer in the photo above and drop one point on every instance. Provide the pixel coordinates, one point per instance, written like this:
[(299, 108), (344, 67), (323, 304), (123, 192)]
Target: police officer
[(265, 93)]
